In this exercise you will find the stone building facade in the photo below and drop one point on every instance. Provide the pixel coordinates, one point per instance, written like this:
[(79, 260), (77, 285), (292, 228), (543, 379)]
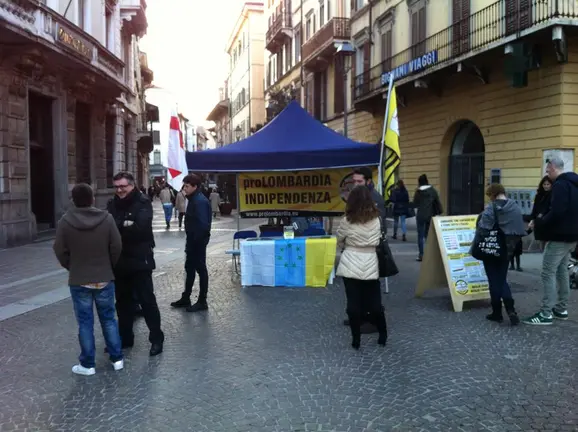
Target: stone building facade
[(69, 106)]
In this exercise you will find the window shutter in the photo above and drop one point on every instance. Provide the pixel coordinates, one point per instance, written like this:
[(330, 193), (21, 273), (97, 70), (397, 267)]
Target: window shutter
[(525, 7), (461, 26), (338, 95), (511, 16), (422, 29), (386, 51), (352, 6)]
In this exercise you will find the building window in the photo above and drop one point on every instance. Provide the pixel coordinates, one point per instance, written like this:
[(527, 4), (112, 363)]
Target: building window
[(297, 44), (157, 157), (322, 13), (359, 4), (110, 136), (418, 27), (156, 137), (308, 29), (109, 29), (126, 56), (386, 45), (288, 57), (314, 21), (328, 10)]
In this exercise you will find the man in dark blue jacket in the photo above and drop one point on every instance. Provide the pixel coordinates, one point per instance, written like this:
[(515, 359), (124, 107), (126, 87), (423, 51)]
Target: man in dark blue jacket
[(198, 219), (559, 229)]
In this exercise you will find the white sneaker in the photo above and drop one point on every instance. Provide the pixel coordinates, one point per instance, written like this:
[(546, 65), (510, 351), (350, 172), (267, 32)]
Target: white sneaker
[(118, 365), (81, 370)]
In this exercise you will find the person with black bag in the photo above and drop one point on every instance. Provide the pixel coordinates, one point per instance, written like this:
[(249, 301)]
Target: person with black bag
[(360, 232), (498, 229)]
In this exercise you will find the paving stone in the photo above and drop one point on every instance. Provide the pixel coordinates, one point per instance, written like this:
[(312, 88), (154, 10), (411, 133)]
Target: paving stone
[(271, 359)]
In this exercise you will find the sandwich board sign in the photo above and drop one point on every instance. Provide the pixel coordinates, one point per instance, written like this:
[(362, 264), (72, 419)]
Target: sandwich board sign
[(447, 262)]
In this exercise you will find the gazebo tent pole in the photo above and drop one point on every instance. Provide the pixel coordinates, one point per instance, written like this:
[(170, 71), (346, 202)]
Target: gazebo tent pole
[(238, 203)]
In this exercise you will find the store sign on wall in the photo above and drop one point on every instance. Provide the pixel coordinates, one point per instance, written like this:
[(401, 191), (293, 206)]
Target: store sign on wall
[(73, 42), (415, 65)]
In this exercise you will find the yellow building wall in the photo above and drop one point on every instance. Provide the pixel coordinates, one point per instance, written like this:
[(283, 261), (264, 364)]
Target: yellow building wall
[(570, 101), (517, 124), (362, 126)]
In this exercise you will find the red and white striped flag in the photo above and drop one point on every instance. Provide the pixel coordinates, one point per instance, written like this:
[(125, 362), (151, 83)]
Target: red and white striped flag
[(177, 159)]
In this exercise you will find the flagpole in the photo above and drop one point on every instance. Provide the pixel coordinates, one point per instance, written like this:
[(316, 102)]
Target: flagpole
[(382, 150)]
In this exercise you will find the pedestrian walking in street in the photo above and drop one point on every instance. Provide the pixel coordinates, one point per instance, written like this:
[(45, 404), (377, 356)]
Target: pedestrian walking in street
[(426, 201), (400, 199), (506, 214), (181, 206), (88, 245), (363, 177), (558, 227), (151, 193), (215, 200), (133, 214), (198, 229), (166, 196), (360, 233)]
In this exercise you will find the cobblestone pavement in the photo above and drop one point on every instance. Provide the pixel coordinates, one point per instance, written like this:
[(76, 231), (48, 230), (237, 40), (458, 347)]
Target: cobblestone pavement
[(273, 359), (30, 276)]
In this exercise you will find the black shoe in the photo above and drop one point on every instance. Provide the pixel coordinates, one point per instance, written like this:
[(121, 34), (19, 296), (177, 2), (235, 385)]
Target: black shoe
[(512, 268), (419, 259), (182, 302), (198, 307), (496, 314), (403, 238), (138, 312), (356, 343), (394, 236), (156, 349), (519, 269)]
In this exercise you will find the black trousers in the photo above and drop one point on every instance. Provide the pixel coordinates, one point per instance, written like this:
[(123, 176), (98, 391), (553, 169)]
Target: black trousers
[(196, 262), (364, 303), (139, 284), (181, 216)]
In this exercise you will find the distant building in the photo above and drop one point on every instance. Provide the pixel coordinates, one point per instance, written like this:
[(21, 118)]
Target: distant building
[(220, 115), (246, 49)]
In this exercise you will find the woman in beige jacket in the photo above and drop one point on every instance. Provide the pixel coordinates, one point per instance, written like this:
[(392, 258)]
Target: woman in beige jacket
[(360, 232), (181, 205)]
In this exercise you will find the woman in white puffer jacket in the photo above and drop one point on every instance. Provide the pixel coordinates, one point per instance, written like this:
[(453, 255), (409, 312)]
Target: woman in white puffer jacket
[(360, 232)]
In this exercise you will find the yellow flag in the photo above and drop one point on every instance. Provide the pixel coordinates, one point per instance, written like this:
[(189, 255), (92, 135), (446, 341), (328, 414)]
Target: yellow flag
[(391, 142)]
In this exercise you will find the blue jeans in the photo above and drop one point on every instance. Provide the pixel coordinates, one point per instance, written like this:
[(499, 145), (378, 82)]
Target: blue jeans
[(422, 232), (497, 273), (83, 299), (396, 220), (168, 208)]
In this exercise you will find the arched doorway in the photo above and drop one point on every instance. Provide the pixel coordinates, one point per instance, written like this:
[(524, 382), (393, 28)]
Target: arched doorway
[(466, 171)]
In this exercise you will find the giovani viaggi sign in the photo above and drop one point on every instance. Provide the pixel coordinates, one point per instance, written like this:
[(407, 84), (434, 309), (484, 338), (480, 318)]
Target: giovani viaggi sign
[(67, 38), (415, 65)]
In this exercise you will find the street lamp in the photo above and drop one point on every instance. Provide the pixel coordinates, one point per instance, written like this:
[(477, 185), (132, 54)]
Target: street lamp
[(345, 51), (238, 132)]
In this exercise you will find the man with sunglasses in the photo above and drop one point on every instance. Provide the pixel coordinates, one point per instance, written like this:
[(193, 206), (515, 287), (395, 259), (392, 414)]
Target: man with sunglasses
[(133, 212)]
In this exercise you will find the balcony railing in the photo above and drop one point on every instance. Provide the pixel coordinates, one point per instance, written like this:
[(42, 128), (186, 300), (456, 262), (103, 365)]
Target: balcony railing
[(281, 28), (477, 32), (318, 44)]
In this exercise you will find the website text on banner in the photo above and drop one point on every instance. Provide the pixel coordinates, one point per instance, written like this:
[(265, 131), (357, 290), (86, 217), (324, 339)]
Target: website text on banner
[(299, 193)]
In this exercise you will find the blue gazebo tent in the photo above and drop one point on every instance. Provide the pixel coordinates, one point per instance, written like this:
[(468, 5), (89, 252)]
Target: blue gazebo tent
[(293, 141)]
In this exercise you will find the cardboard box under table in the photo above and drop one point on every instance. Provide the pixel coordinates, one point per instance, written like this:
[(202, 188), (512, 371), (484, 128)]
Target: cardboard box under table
[(298, 262)]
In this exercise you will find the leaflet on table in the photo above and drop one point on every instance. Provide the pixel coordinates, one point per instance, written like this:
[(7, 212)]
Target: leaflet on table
[(467, 274)]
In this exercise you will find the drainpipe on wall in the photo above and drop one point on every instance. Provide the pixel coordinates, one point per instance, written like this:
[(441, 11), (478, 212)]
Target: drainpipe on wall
[(250, 93), (302, 72)]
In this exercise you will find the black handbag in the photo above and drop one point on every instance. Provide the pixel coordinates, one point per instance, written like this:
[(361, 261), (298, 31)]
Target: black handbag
[(387, 266), (490, 245)]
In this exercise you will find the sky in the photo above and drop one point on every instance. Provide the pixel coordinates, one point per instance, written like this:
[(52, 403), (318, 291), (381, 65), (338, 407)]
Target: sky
[(185, 46)]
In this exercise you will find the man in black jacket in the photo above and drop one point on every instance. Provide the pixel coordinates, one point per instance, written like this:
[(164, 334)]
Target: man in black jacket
[(133, 213), (558, 227), (198, 219)]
